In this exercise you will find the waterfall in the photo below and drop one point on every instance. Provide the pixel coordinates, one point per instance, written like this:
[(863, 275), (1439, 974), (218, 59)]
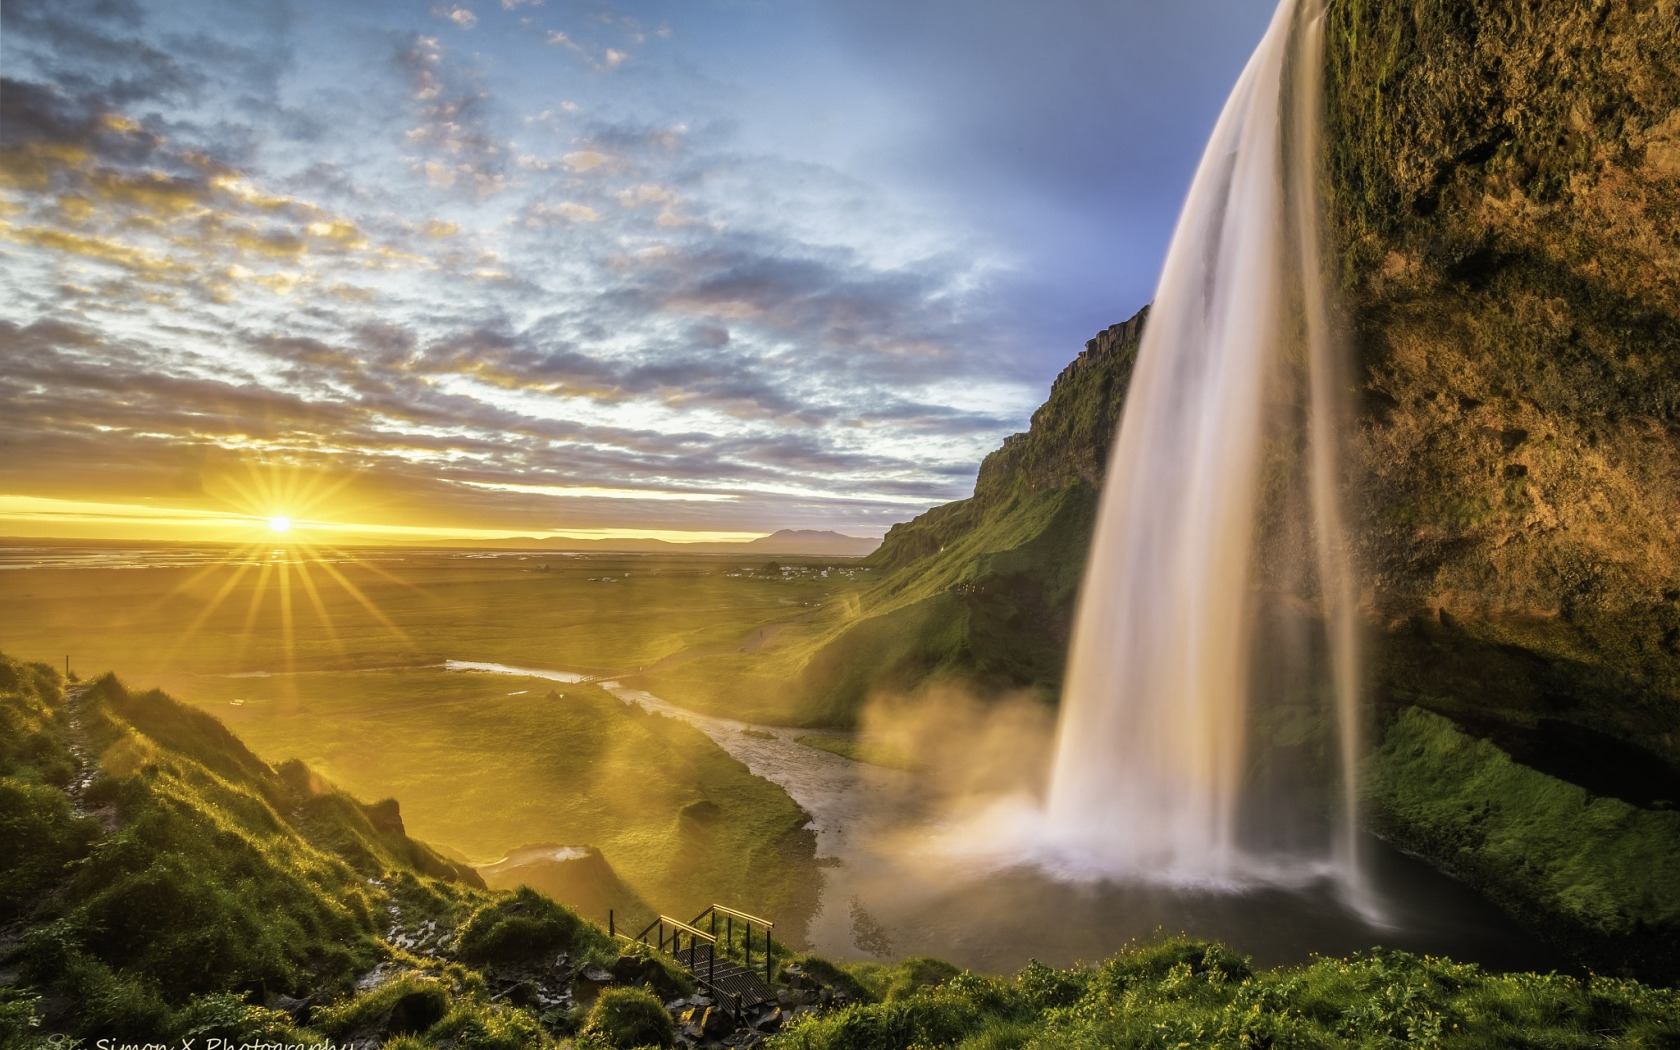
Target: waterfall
[(1236, 385)]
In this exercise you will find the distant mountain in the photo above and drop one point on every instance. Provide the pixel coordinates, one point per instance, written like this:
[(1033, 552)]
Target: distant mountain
[(811, 541), (792, 542)]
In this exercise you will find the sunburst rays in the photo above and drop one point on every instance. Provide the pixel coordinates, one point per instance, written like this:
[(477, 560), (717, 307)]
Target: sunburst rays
[(281, 504)]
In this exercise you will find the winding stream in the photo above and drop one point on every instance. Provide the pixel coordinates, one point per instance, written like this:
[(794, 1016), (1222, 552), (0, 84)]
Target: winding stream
[(885, 894)]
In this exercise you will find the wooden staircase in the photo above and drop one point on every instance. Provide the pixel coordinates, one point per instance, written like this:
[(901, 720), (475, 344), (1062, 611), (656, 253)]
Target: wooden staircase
[(709, 957)]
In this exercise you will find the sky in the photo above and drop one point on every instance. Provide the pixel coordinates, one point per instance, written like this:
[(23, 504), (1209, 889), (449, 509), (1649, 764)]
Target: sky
[(697, 269)]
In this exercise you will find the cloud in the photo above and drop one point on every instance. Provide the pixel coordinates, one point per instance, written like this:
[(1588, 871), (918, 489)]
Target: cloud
[(453, 131), (584, 160), (643, 318)]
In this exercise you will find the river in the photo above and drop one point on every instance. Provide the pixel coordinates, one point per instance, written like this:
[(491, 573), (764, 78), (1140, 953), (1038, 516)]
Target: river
[(886, 895)]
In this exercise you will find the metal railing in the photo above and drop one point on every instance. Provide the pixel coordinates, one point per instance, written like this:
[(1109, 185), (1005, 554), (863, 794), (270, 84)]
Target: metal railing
[(730, 915), (667, 934)]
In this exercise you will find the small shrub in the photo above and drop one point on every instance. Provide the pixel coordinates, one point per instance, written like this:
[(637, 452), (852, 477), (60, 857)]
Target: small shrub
[(519, 927), (630, 1017), (405, 1005)]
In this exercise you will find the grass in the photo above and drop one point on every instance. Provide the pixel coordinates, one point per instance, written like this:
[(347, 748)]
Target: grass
[(221, 884), (629, 1017), (1596, 874), (990, 608), (1178, 993), (481, 763), (220, 874)]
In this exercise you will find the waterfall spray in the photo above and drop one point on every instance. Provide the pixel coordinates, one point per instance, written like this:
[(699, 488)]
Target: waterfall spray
[(1153, 749)]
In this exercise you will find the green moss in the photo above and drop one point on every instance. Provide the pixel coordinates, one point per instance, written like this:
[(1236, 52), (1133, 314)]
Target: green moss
[(524, 925), (1596, 874), (630, 1017)]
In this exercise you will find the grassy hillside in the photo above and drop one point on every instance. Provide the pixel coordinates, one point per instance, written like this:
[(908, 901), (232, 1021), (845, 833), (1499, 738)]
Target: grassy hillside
[(980, 590), (484, 763), (160, 883), (160, 880)]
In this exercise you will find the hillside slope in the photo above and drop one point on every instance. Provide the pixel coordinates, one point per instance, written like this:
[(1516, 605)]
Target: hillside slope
[(159, 881), (980, 590)]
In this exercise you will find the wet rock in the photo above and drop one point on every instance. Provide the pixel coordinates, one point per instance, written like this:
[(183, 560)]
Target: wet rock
[(524, 995), (766, 1019), (716, 1023), (299, 1010)]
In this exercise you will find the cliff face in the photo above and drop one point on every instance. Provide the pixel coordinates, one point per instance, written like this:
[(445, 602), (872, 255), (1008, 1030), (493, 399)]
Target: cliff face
[(1505, 198), (1503, 188), (1066, 446), (1504, 203)]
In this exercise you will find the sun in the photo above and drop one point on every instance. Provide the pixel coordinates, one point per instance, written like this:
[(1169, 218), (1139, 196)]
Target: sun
[(279, 523)]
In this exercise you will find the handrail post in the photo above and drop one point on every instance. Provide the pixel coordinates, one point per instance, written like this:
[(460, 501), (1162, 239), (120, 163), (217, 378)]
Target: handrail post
[(749, 945), (767, 978), (711, 962), (610, 931)]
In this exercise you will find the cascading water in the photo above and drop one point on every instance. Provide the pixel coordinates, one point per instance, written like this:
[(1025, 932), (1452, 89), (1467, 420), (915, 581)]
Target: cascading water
[(1154, 762)]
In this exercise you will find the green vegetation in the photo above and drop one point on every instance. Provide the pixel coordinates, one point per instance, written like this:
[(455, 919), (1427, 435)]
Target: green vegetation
[(177, 867), (1181, 993), (187, 889), (630, 1017), (859, 751), (483, 763), (1599, 874), (522, 926)]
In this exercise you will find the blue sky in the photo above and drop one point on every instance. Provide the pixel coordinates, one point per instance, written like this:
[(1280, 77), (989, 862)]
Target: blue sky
[(693, 268)]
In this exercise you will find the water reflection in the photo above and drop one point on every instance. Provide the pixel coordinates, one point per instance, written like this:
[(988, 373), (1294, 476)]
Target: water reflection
[(888, 893)]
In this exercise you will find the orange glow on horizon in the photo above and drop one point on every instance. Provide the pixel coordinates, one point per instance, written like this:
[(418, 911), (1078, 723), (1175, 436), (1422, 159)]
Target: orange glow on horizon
[(45, 517)]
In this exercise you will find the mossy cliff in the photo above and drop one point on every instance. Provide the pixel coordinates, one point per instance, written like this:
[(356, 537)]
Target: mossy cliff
[(1505, 198), (1505, 205), (1503, 187)]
